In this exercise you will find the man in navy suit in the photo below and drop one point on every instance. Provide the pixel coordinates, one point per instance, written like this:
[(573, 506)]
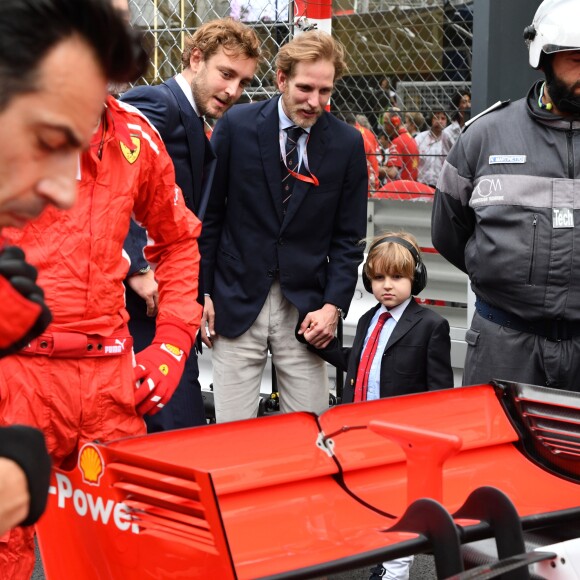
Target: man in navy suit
[(219, 61), (281, 242)]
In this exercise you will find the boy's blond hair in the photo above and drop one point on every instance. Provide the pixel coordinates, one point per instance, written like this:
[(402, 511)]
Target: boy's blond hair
[(390, 258)]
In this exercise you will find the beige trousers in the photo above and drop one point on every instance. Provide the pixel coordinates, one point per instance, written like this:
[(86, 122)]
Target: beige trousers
[(238, 364)]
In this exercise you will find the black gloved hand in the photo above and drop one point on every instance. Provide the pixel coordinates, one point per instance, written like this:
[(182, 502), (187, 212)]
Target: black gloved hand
[(26, 446), (23, 313)]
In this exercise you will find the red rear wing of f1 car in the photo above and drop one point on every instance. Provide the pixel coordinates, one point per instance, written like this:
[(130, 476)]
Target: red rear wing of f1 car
[(300, 496)]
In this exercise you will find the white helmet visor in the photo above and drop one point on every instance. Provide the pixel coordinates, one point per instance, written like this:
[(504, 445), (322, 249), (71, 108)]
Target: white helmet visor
[(552, 48), (556, 29)]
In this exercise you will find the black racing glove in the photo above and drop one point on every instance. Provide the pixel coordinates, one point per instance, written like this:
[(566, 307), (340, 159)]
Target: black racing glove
[(23, 313), (26, 446)]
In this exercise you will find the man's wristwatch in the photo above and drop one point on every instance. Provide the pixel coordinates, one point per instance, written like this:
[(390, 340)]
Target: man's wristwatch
[(340, 312), (141, 271)]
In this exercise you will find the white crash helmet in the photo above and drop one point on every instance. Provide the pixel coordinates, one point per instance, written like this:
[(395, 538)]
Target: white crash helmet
[(555, 29)]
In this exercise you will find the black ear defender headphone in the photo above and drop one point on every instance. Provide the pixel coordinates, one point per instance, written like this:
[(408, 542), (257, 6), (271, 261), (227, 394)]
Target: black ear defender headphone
[(419, 275), (395, 117)]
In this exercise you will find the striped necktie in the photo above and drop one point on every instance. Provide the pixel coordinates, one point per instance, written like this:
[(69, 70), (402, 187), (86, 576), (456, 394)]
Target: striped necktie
[(292, 136)]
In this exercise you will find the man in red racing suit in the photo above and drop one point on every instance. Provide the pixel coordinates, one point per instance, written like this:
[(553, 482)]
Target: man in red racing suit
[(77, 381)]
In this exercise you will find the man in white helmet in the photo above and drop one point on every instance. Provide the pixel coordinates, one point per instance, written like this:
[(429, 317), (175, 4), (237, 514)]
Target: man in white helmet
[(507, 212)]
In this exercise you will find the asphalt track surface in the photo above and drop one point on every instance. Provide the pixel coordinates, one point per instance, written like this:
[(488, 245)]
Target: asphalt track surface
[(422, 569)]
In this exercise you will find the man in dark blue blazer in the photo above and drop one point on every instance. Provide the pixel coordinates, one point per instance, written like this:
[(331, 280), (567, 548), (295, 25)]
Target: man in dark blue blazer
[(219, 61), (281, 242)]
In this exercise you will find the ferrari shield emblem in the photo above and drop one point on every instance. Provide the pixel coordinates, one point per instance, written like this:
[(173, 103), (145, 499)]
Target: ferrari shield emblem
[(131, 155)]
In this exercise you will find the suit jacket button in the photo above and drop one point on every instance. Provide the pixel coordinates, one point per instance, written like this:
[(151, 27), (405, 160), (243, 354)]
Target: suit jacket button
[(281, 242), (270, 273)]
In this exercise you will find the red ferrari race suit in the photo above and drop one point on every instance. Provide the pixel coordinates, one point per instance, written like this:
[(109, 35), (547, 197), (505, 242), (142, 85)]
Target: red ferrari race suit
[(372, 152), (404, 154), (76, 381)]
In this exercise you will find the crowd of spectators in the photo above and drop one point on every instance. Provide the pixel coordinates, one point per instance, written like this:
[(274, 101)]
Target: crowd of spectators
[(406, 150)]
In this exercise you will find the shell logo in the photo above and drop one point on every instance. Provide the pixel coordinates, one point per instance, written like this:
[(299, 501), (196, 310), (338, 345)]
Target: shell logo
[(174, 351), (91, 464)]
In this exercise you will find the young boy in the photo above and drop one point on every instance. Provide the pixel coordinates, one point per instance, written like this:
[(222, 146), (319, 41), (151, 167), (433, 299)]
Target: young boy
[(399, 347), (412, 352)]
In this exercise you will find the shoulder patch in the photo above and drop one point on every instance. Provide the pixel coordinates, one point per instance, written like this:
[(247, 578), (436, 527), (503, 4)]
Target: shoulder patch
[(131, 155), (494, 107)]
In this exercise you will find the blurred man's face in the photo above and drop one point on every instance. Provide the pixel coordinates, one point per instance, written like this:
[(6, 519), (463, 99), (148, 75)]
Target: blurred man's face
[(391, 124), (438, 122), (219, 81), (465, 103), (43, 132), (307, 92)]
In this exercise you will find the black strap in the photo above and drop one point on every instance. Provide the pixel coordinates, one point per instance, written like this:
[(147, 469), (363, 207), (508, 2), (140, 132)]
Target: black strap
[(554, 329)]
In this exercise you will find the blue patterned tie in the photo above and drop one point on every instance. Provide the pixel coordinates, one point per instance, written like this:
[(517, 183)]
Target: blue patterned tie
[(293, 134)]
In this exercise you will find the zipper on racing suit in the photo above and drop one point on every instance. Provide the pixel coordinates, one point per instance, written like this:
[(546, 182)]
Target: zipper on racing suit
[(533, 253)]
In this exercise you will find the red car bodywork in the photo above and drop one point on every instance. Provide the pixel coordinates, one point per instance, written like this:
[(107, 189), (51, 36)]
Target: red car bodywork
[(288, 495)]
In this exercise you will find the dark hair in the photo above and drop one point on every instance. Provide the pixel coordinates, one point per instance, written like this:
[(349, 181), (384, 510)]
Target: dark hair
[(456, 101), (429, 116), (29, 29)]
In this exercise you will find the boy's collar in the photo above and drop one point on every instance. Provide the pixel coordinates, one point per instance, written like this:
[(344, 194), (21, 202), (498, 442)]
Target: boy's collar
[(397, 311)]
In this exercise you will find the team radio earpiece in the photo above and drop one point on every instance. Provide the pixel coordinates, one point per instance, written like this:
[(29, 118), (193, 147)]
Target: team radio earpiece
[(548, 106), (420, 274)]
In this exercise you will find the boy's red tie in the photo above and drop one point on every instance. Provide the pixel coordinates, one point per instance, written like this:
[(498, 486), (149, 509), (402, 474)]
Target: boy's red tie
[(366, 361)]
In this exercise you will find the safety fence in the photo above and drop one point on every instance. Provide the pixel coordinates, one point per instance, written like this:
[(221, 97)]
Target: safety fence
[(410, 54), (413, 54)]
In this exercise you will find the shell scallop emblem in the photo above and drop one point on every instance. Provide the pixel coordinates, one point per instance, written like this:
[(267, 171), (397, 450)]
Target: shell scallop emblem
[(91, 464), (174, 351)]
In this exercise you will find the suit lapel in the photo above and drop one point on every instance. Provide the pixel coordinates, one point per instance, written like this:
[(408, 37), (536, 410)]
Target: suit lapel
[(315, 148), (268, 126), (359, 339), (208, 173), (411, 316), (198, 149)]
